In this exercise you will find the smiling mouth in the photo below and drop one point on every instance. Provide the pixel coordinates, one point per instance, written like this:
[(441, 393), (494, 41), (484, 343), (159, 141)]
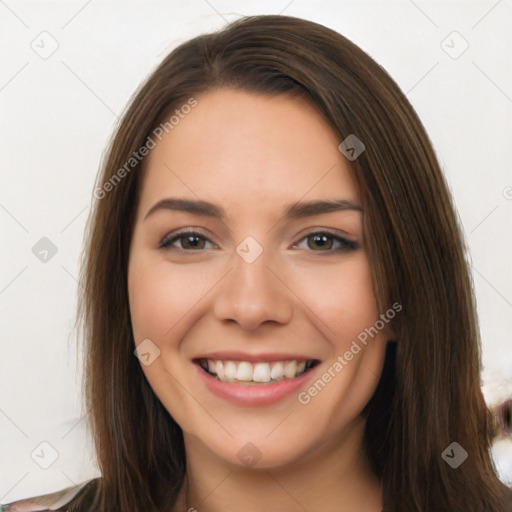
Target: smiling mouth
[(245, 372)]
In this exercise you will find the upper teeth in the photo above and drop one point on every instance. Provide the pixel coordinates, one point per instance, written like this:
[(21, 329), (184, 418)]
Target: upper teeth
[(229, 371)]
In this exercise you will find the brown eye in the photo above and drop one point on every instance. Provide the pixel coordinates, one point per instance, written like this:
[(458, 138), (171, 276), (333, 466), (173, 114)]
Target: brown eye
[(188, 241), (192, 241), (327, 242), (324, 242)]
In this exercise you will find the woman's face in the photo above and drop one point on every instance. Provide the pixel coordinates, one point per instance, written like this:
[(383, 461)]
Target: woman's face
[(268, 276)]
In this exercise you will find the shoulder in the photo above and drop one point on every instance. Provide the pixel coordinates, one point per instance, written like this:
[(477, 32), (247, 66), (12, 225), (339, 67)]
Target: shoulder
[(63, 500)]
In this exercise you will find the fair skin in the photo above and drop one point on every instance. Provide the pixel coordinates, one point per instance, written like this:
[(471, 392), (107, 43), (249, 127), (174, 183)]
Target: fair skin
[(255, 155)]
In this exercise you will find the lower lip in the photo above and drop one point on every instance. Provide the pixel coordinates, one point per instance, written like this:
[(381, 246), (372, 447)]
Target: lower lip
[(254, 394)]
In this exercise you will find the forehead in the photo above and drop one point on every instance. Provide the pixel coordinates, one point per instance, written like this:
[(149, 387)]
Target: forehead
[(247, 149)]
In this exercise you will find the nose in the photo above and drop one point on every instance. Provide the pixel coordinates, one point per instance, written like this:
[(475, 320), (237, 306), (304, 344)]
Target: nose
[(252, 294)]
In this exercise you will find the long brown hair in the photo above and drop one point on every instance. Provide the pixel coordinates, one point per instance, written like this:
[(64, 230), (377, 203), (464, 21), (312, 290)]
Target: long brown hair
[(429, 393)]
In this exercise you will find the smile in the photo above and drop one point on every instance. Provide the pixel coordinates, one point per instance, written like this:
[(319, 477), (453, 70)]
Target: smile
[(256, 383), (245, 372)]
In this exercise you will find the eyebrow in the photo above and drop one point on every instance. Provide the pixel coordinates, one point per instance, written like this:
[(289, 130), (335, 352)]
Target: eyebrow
[(296, 210)]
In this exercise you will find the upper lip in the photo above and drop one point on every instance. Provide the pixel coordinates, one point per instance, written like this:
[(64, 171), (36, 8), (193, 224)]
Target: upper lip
[(266, 357)]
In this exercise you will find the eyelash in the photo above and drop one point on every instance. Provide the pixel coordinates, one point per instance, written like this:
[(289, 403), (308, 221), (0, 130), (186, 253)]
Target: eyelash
[(167, 242)]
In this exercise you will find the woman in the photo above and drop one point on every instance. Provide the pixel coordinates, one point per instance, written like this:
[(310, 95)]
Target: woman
[(274, 241)]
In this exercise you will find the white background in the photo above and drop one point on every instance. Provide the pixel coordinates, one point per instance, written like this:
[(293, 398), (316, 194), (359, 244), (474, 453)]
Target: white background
[(58, 112)]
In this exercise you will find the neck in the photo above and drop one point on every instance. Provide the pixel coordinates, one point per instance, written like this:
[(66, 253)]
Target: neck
[(332, 477)]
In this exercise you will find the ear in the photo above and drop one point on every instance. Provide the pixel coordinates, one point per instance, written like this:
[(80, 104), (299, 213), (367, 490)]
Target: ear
[(388, 330), (389, 333)]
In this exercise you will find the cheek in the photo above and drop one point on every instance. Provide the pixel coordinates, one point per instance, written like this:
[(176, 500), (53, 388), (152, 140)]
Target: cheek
[(357, 308), (342, 298), (161, 297), (347, 308)]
